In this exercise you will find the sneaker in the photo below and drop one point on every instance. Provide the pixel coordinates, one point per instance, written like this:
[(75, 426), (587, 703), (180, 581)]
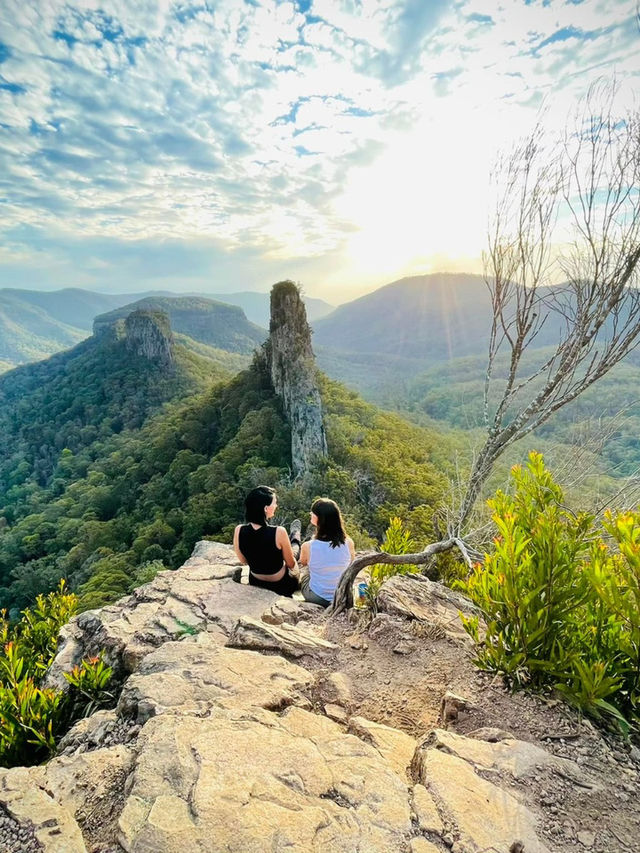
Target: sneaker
[(295, 530)]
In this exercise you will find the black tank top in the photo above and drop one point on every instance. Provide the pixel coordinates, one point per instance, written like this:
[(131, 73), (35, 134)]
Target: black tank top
[(260, 549)]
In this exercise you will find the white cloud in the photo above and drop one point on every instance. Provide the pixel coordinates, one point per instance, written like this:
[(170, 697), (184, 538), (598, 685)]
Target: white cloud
[(363, 131)]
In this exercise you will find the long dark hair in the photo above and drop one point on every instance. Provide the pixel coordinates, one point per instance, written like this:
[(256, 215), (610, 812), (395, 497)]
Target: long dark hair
[(256, 502), (330, 527)]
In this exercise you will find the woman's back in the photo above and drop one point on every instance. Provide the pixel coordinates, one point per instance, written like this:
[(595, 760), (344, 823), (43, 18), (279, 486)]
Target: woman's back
[(259, 548), (326, 565)]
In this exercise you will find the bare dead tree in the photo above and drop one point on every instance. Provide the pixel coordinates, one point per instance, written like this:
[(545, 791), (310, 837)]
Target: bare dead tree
[(569, 213)]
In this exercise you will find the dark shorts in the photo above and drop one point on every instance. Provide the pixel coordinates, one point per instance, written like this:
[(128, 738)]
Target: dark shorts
[(287, 585)]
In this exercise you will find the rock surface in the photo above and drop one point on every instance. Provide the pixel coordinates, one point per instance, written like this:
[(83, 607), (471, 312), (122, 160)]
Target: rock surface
[(200, 596), (148, 334), (416, 597), (289, 640), (213, 747), (293, 374)]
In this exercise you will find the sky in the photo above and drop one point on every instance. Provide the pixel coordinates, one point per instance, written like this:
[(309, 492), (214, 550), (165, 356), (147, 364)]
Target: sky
[(222, 145)]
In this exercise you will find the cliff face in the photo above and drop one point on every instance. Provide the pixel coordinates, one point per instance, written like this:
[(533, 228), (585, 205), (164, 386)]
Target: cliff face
[(293, 375), (149, 334)]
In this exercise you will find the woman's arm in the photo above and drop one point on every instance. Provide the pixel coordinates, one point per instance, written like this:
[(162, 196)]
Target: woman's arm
[(305, 550), (282, 542), (352, 549), (236, 546)]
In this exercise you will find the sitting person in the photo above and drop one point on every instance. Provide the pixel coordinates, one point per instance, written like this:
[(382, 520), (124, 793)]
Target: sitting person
[(327, 555), (264, 548)]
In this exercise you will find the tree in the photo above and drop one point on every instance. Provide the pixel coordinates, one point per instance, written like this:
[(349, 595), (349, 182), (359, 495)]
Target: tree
[(562, 260)]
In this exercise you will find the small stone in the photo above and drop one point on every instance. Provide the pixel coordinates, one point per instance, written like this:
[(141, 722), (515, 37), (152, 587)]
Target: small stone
[(586, 838), (404, 648), (337, 713), (452, 705)]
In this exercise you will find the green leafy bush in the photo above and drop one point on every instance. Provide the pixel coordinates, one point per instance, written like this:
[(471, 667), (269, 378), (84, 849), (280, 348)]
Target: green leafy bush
[(32, 717), (88, 682), (561, 603), (397, 540)]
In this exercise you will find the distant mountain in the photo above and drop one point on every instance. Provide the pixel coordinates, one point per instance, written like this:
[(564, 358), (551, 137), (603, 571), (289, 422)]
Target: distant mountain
[(256, 305), (29, 333), (212, 323), (100, 387), (34, 324), (72, 305), (428, 317)]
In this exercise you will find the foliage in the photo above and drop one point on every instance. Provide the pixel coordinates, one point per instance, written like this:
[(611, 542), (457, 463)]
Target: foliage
[(29, 715), (32, 717), (397, 540), (88, 682), (121, 509), (561, 603)]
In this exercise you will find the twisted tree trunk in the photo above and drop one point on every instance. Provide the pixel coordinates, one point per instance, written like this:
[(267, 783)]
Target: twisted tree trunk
[(343, 597)]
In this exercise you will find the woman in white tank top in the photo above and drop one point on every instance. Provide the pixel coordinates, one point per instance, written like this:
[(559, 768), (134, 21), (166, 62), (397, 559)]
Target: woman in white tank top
[(327, 555)]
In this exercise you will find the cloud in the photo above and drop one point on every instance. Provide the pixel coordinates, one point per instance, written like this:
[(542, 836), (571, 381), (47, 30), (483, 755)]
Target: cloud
[(228, 133)]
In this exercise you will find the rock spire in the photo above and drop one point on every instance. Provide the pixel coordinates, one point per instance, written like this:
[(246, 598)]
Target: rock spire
[(293, 374)]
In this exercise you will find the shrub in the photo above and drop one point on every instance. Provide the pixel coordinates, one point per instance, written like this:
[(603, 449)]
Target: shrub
[(397, 540), (561, 605), (32, 716), (88, 682)]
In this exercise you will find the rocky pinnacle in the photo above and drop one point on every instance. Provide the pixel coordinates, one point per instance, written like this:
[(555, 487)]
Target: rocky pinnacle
[(293, 373)]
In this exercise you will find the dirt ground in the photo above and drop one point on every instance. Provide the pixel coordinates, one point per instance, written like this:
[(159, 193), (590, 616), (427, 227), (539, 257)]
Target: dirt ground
[(399, 675)]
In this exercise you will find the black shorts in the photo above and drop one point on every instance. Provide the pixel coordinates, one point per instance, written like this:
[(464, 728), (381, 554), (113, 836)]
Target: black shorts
[(287, 585)]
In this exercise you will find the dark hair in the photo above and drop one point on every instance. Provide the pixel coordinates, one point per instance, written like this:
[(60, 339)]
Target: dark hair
[(256, 502), (330, 527)]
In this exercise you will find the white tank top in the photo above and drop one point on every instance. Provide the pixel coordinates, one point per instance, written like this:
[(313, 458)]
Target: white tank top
[(326, 565)]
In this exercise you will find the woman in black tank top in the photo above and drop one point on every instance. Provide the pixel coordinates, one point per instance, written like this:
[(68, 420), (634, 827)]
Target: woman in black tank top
[(264, 548)]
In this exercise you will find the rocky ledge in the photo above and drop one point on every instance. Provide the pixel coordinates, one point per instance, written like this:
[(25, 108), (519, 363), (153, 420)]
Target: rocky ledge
[(239, 727)]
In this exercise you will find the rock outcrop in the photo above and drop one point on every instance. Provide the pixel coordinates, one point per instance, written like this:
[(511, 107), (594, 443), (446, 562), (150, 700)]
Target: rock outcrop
[(236, 730), (148, 334), (293, 374)]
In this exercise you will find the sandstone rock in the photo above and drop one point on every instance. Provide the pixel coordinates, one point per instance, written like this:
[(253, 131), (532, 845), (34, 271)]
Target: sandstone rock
[(258, 781), (90, 786), (336, 712), (586, 838), (416, 597), (451, 706), (421, 845), (89, 733), (197, 597), (395, 746), (333, 687), (293, 374), (148, 334), (426, 811), (486, 816), (490, 734), (519, 758), (290, 610), (290, 640), (216, 554), (194, 675), (33, 809)]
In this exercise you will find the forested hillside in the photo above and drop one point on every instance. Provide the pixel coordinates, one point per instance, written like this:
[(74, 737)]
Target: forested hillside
[(419, 346), (28, 333), (213, 323), (93, 493), (35, 324)]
